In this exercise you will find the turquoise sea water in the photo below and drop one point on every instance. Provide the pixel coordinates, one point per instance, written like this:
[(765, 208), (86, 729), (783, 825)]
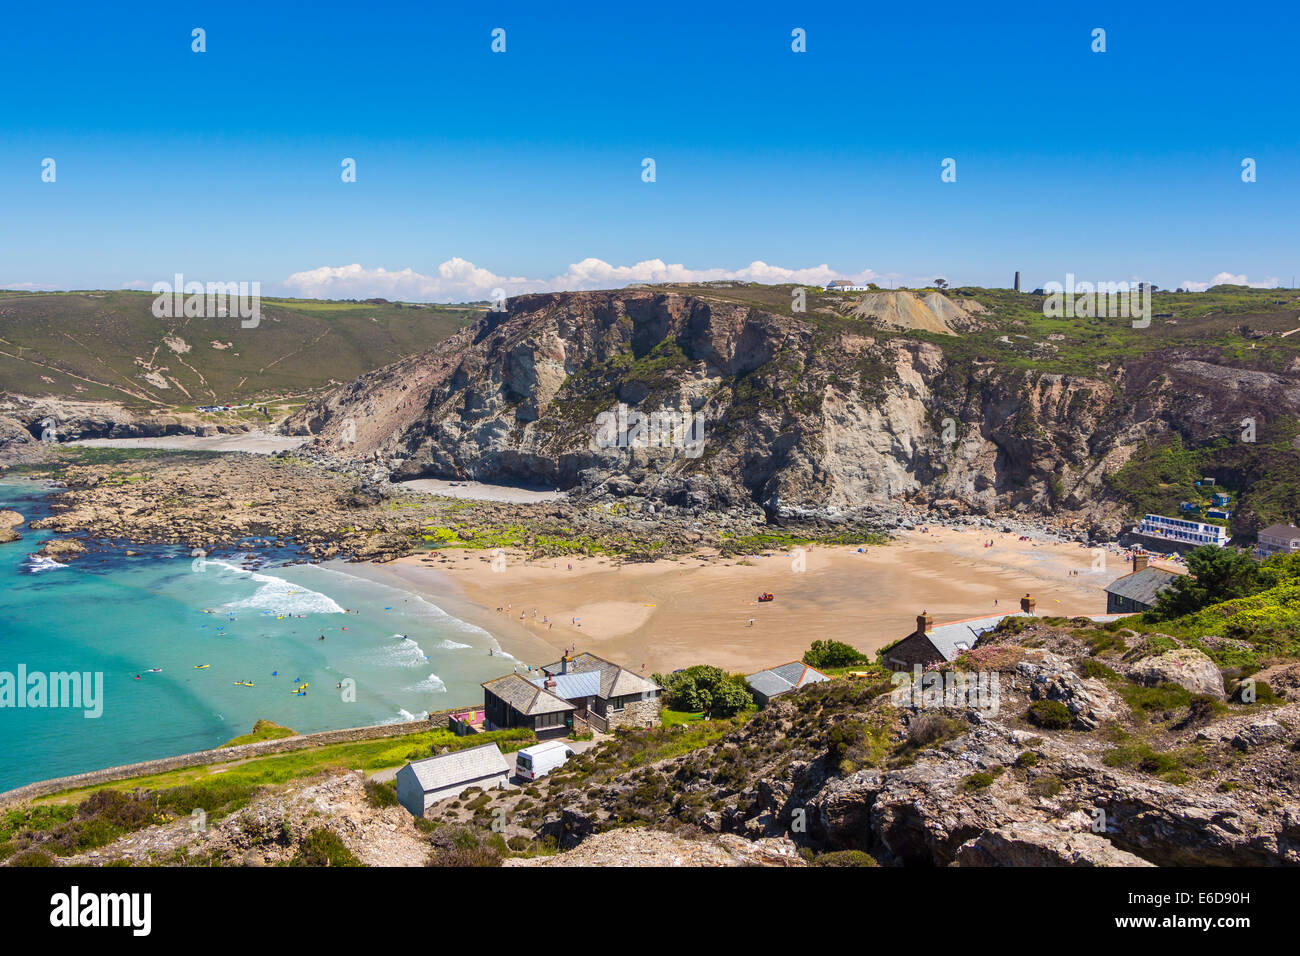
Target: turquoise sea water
[(121, 616)]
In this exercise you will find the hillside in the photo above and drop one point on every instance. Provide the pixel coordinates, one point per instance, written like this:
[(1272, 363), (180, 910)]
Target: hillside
[(1103, 745), (108, 346), (970, 400)]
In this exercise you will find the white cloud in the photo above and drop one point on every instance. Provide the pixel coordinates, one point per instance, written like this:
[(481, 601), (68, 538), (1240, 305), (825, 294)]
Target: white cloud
[(458, 280), (1227, 278), (29, 287)]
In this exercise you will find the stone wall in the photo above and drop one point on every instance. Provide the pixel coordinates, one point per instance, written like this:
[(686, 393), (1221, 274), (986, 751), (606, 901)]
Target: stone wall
[(636, 713), (261, 748)]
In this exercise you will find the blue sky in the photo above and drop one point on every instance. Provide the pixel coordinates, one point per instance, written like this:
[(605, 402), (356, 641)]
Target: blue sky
[(477, 169)]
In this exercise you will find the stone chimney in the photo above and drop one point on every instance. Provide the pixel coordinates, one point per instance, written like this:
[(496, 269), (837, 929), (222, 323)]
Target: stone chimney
[(1140, 561), (1027, 604), (564, 663), (549, 683), (924, 622)]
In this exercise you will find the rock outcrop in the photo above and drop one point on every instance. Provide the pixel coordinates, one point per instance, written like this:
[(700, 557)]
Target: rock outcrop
[(1184, 666), (800, 419)]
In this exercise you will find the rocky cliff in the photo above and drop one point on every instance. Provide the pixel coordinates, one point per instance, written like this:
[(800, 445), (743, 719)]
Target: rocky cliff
[(849, 405)]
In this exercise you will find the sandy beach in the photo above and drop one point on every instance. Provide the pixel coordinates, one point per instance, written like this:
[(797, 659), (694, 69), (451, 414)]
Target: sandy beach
[(259, 443), (670, 614), (479, 491)]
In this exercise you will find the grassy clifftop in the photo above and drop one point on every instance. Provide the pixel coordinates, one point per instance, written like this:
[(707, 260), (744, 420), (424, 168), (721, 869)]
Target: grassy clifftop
[(109, 346)]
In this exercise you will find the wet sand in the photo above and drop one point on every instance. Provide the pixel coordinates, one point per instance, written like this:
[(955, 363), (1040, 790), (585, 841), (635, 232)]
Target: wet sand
[(670, 614)]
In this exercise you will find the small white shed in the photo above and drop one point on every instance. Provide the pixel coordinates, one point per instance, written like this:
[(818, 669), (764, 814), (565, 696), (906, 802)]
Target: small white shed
[(424, 782)]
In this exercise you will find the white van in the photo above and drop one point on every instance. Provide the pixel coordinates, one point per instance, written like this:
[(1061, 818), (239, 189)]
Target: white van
[(540, 759)]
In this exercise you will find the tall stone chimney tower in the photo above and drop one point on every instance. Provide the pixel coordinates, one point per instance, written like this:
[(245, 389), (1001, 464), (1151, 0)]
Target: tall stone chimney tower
[(1017, 281)]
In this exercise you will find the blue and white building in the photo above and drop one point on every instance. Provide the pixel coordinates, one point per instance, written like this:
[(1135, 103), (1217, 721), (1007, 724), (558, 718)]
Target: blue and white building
[(1182, 530)]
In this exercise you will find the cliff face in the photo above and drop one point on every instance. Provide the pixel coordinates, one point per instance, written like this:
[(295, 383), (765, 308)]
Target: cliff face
[(814, 416)]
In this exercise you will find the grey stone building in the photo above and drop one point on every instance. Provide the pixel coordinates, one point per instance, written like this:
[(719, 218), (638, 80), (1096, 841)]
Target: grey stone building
[(423, 783), (775, 681), (1136, 591), (606, 696)]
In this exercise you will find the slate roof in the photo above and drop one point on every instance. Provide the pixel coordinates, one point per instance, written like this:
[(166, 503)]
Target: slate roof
[(768, 684), (615, 681), (460, 766), (572, 686), (1142, 586), (950, 640), (1286, 532), (786, 677), (525, 697)]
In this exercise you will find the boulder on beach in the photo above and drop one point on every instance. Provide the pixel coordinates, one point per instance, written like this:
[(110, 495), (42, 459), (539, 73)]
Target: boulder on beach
[(10, 519)]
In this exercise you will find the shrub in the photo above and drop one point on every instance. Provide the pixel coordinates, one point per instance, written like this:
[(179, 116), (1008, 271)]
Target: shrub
[(706, 689), (1027, 759), (978, 781), (381, 795), (844, 858), (322, 847), (833, 654), (1049, 714), (31, 858), (931, 728), (1088, 667), (843, 736), (1046, 786), (1201, 709)]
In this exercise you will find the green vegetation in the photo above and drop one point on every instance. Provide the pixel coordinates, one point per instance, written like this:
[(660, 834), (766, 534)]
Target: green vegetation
[(249, 775), (1170, 766), (262, 730), (841, 858), (381, 795), (323, 847), (1214, 575), (631, 748), (1049, 714), (89, 346), (1159, 476), (833, 654), (707, 689), (1266, 620), (65, 456)]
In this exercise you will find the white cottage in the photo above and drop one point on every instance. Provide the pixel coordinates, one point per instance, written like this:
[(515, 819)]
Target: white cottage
[(423, 783)]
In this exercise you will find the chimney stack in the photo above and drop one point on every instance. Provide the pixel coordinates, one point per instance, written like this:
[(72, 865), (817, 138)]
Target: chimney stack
[(564, 663), (1017, 281), (1139, 562), (924, 622), (1027, 604)]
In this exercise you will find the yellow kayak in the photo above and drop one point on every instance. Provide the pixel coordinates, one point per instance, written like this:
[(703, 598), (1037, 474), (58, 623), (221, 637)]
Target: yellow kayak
[(243, 683), (199, 667)]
